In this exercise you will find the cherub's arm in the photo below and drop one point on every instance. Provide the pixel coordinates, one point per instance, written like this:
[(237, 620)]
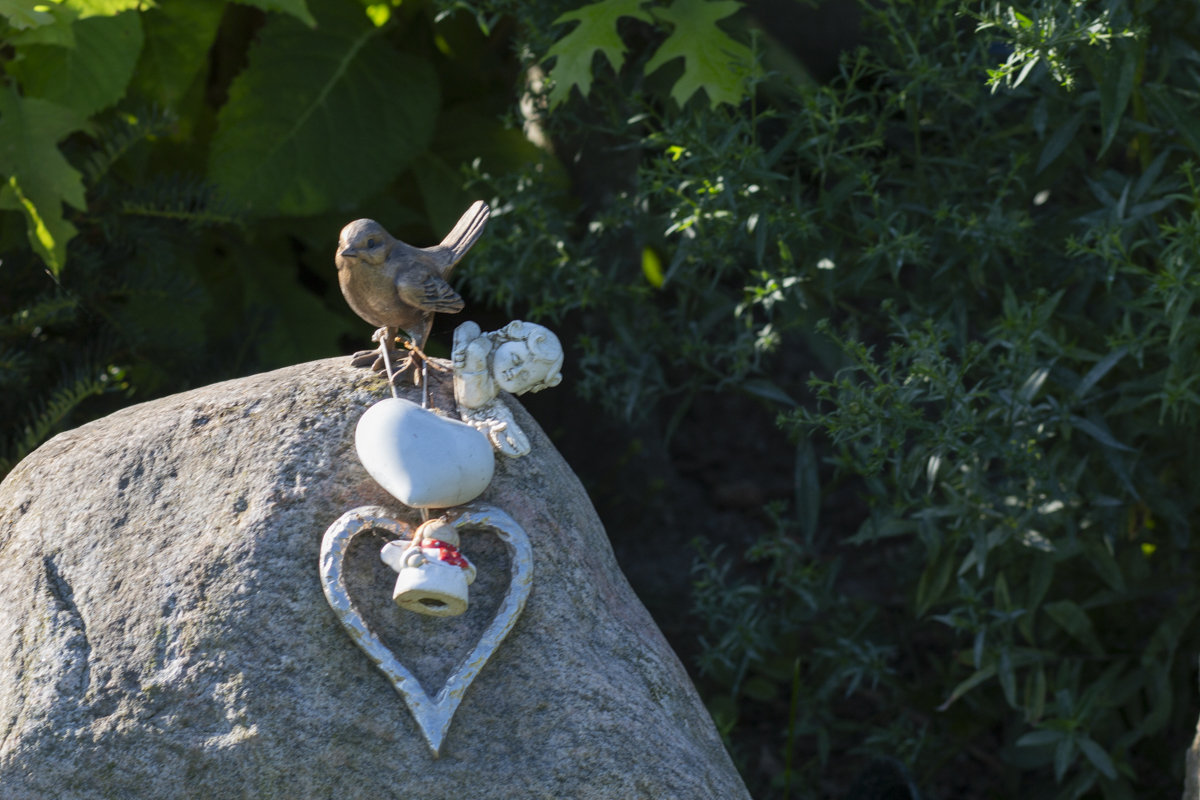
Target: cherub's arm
[(496, 422), (473, 384), (463, 335)]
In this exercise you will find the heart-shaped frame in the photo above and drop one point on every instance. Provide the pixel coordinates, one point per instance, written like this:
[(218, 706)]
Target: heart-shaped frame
[(433, 714)]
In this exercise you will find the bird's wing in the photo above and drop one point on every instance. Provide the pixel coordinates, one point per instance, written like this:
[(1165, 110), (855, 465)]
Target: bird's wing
[(430, 294), (459, 241)]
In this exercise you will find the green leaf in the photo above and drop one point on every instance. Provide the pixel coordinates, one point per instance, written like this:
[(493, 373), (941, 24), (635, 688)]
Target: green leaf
[(92, 75), (1105, 565), (934, 581), (712, 61), (1075, 621), (103, 8), (1099, 371), (39, 179), (768, 390), (1064, 756), (1100, 760), (1059, 141), (1035, 695), (1008, 677), (596, 33), (1099, 434), (60, 32), (1115, 90), (1041, 738), (321, 118), (970, 683), (179, 34), (885, 527), (297, 8), (22, 14)]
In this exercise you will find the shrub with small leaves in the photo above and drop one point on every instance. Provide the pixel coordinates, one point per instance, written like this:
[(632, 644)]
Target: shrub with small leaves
[(983, 231)]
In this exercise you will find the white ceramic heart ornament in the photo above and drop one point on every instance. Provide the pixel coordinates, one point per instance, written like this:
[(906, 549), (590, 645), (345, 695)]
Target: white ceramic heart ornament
[(424, 460)]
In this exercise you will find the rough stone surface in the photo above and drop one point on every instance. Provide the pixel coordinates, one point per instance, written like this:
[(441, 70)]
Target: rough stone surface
[(163, 633)]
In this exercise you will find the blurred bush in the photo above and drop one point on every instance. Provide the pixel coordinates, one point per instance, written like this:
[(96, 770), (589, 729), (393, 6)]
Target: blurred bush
[(983, 232)]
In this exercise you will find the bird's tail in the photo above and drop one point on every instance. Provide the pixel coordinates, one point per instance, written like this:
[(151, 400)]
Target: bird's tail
[(466, 231)]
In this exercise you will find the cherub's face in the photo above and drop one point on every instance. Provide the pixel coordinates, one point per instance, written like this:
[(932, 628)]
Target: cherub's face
[(515, 369)]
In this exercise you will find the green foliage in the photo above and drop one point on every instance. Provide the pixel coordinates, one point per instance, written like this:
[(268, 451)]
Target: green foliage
[(90, 75), (24, 14), (39, 178), (321, 117), (178, 36), (984, 238), (711, 59), (183, 170)]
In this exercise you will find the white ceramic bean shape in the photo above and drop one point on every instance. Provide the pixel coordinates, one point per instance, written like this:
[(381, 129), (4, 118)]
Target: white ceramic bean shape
[(423, 460)]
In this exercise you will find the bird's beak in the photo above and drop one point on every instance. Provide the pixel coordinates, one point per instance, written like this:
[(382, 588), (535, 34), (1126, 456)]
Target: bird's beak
[(349, 252)]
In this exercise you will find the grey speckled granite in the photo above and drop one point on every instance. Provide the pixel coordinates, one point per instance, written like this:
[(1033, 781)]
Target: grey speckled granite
[(163, 633)]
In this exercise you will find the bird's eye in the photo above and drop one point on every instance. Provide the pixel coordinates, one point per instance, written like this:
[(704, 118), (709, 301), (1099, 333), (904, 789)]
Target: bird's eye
[(370, 242)]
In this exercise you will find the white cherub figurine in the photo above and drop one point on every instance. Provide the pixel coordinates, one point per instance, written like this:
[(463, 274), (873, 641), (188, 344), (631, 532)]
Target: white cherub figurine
[(520, 357)]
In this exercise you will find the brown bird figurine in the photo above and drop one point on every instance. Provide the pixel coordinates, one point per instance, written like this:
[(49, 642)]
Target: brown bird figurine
[(396, 286)]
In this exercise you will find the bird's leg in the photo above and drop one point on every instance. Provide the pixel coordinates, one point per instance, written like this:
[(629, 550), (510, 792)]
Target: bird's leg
[(374, 358), (388, 336), (421, 377)]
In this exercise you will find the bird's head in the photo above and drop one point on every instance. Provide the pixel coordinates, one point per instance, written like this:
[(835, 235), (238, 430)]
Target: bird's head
[(364, 240)]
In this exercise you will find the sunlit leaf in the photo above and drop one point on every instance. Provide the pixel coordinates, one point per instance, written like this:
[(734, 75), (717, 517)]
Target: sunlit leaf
[(296, 8), (60, 32), (711, 60), (38, 178), (103, 8), (595, 33), (24, 14), (92, 75)]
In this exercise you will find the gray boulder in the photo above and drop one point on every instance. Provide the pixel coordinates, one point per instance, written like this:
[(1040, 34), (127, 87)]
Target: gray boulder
[(163, 631)]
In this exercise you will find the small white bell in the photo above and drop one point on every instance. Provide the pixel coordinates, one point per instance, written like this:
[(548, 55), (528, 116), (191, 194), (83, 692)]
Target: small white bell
[(433, 575)]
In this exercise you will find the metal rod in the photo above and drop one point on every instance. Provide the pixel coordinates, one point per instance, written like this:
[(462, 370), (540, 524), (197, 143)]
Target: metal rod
[(387, 362), (424, 383)]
